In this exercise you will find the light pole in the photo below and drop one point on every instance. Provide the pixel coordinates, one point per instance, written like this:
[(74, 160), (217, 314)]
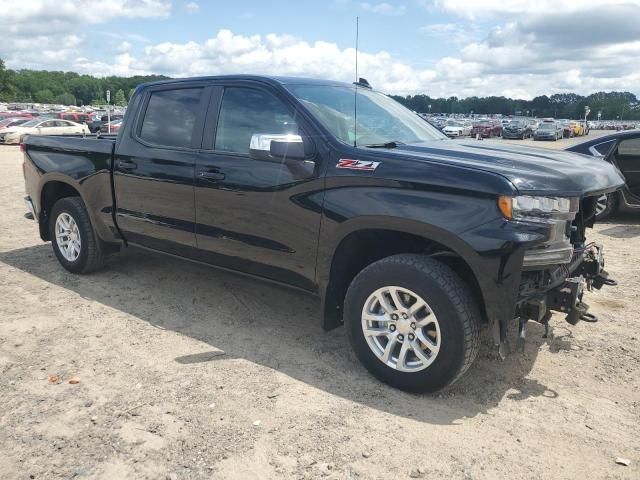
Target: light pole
[(587, 110), (109, 111)]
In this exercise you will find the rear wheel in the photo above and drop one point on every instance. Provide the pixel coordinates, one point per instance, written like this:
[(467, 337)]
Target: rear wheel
[(412, 322), (74, 241)]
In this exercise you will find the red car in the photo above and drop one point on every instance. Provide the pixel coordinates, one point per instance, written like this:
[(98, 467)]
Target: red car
[(5, 115), (115, 126), (487, 129), (77, 117)]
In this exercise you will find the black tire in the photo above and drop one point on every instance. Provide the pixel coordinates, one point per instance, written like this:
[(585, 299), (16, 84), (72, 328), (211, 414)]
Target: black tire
[(612, 203), (449, 298), (92, 256)]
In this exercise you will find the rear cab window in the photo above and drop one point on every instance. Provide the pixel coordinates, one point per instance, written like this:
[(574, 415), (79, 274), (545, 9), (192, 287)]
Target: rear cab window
[(171, 117)]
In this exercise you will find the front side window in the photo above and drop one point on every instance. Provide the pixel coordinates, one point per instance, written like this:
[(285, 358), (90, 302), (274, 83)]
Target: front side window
[(379, 119), (245, 112), (170, 118)]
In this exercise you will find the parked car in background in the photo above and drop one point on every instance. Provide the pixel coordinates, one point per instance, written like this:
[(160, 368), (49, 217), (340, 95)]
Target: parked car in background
[(77, 117), (567, 130), (12, 122), (577, 128), (549, 131), (111, 127), (5, 115), (621, 149), (517, 129), (455, 129), (101, 119), (487, 129), (39, 126)]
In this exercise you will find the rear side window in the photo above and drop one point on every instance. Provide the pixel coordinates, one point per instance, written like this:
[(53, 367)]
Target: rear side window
[(630, 147), (247, 111), (170, 117)]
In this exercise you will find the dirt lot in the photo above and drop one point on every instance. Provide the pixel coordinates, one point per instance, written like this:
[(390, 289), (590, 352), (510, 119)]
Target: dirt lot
[(187, 372)]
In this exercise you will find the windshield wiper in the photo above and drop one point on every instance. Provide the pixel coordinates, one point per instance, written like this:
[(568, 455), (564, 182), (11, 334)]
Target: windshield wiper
[(392, 144)]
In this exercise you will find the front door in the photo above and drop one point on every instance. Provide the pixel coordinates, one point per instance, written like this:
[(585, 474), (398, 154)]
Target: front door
[(154, 168), (628, 159), (260, 217)]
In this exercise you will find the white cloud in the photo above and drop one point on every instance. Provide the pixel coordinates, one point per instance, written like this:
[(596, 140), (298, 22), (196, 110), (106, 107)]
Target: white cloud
[(478, 70), (451, 32), (503, 8), (123, 47), (26, 45), (66, 12), (532, 51), (192, 8), (383, 8)]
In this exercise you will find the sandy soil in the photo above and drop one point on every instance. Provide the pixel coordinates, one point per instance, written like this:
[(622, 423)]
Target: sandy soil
[(187, 372)]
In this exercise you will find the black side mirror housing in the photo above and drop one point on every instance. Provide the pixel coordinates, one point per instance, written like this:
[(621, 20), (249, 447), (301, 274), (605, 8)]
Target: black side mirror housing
[(287, 150)]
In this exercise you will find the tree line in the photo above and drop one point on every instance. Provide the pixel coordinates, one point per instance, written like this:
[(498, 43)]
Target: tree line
[(69, 88), (66, 88)]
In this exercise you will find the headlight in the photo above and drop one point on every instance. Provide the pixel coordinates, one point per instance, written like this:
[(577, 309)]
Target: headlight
[(538, 209), (557, 213)]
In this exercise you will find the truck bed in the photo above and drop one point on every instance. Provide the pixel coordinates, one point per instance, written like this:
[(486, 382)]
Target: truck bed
[(82, 163)]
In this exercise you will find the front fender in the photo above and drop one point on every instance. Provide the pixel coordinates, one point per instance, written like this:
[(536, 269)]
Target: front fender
[(471, 227)]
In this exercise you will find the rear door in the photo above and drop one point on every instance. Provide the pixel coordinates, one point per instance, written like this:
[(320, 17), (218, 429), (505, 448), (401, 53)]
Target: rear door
[(260, 217), (154, 167)]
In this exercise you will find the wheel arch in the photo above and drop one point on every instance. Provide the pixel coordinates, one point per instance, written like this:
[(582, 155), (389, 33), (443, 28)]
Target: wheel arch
[(53, 190), (366, 243)]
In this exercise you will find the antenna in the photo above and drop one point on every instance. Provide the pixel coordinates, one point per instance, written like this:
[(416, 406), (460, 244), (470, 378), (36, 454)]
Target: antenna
[(355, 92)]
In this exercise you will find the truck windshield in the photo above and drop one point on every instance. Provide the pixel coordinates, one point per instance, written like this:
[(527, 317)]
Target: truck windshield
[(380, 119)]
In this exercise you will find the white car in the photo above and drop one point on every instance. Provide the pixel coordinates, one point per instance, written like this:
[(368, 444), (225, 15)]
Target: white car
[(457, 129), (46, 126)]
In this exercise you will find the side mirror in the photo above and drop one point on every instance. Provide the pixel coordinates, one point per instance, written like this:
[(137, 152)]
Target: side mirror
[(277, 147)]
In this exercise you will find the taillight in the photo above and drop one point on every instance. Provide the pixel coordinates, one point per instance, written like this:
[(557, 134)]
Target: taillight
[(23, 147)]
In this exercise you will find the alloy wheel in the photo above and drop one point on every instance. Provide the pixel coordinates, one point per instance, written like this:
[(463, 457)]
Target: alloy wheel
[(401, 329), (68, 237), (601, 204)]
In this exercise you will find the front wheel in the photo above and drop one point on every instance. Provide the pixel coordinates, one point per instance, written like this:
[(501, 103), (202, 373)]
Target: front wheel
[(412, 322), (605, 206), (74, 241)]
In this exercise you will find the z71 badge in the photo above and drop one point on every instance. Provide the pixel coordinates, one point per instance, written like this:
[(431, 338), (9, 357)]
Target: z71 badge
[(357, 165)]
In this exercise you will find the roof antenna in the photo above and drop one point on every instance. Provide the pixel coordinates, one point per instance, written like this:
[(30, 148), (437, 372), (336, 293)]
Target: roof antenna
[(355, 94)]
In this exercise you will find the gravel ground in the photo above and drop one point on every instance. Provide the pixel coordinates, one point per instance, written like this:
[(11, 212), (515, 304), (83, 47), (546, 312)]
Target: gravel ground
[(187, 372)]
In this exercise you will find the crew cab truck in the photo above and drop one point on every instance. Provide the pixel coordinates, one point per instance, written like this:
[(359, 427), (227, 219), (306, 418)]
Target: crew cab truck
[(412, 240)]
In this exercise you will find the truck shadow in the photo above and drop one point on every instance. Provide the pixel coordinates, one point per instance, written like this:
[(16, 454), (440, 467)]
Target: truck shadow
[(279, 329)]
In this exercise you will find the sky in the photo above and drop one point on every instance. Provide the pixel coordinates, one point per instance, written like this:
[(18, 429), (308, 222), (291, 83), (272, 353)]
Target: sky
[(442, 48)]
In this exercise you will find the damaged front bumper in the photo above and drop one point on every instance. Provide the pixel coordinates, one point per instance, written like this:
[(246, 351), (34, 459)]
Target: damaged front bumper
[(561, 289)]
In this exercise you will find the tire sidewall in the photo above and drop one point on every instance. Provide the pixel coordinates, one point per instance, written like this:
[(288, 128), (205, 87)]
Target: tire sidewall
[(65, 205), (450, 359)]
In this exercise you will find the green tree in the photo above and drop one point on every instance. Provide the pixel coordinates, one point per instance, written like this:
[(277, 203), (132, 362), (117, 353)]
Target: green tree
[(43, 96), (120, 99), (65, 99)]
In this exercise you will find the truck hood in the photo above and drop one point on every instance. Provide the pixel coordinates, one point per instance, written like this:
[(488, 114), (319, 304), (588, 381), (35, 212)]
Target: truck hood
[(531, 170)]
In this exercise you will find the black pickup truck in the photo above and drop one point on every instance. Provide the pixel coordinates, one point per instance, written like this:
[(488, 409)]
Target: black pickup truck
[(412, 240)]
